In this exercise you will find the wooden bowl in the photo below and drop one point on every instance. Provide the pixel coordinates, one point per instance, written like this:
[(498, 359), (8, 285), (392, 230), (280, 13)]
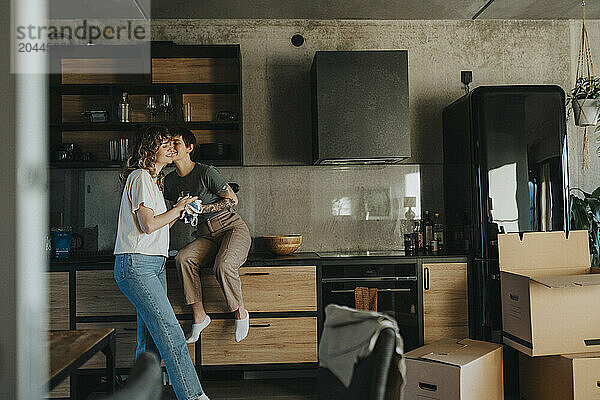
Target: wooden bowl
[(282, 245)]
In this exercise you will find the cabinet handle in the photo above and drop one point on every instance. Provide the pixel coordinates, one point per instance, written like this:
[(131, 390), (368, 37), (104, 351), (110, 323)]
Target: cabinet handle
[(256, 273), (260, 325), (335, 291), (426, 278)]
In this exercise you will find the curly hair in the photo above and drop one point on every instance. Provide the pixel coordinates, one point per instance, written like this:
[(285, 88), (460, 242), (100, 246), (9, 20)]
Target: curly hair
[(143, 154)]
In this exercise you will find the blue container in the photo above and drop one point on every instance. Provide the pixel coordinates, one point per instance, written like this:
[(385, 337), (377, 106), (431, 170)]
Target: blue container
[(62, 242)]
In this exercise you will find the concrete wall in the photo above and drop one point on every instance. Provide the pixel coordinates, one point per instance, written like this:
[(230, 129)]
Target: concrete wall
[(278, 197), (275, 73)]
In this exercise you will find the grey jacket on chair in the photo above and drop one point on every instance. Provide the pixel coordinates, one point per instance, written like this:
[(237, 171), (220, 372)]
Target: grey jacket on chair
[(358, 350)]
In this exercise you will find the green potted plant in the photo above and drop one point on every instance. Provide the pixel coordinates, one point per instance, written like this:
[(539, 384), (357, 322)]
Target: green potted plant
[(585, 214), (585, 100)]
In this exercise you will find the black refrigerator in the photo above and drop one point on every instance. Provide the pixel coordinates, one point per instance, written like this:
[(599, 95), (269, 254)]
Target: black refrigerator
[(505, 170)]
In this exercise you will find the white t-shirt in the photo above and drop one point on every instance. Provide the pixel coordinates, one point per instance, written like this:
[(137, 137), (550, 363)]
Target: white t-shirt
[(140, 188)]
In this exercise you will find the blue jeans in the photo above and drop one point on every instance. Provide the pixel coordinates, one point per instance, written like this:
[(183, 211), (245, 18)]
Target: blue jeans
[(142, 279)]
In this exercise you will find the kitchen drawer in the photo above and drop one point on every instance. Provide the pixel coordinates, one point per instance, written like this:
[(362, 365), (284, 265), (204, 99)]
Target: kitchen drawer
[(270, 340), (266, 289), (98, 294), (58, 294), (126, 338)]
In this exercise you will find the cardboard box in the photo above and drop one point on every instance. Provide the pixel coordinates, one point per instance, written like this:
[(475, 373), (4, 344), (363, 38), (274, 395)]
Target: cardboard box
[(452, 369), (566, 377), (548, 293)]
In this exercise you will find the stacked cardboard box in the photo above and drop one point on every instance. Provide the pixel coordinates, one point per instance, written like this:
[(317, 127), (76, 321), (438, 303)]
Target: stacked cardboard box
[(549, 313), (452, 369)]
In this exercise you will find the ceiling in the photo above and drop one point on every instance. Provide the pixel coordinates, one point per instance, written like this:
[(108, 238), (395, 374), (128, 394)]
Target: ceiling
[(326, 9)]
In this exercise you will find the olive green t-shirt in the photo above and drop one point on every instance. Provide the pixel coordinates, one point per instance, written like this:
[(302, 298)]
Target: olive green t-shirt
[(203, 181)]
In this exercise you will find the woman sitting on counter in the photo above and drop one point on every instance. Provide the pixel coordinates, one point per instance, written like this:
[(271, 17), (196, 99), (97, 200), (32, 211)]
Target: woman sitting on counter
[(141, 250), (222, 237)]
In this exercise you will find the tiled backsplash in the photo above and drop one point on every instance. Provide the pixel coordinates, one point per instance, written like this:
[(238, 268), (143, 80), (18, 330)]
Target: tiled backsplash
[(334, 208)]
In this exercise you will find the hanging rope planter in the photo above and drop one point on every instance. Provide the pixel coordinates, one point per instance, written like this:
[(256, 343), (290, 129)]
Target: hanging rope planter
[(585, 96)]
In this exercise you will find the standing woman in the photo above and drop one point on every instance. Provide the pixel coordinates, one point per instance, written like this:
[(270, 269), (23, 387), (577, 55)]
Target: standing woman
[(141, 250)]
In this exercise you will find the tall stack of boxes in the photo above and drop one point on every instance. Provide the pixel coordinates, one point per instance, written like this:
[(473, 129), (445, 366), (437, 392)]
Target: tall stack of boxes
[(550, 313)]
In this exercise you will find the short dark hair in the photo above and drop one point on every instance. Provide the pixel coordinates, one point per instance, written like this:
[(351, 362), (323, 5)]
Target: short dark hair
[(187, 136)]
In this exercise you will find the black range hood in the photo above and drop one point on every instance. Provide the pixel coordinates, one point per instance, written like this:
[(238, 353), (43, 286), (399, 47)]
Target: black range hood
[(360, 107)]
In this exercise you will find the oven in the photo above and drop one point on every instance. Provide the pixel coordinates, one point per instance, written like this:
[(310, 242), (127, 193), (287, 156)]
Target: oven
[(397, 293)]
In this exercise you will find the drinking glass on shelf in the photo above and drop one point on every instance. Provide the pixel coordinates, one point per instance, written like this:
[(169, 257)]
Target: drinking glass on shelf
[(151, 107), (114, 149), (124, 149), (166, 105), (187, 112)]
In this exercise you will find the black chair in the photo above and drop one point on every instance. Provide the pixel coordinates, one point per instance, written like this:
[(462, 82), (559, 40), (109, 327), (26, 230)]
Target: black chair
[(370, 374), (144, 382)]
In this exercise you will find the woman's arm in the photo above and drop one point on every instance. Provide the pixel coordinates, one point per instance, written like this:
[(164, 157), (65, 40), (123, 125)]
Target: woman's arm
[(150, 222)]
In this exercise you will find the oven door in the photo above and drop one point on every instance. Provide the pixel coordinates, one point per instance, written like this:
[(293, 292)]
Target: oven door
[(396, 297)]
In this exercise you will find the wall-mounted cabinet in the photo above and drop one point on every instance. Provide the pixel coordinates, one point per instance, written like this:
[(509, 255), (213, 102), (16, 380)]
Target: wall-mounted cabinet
[(207, 78)]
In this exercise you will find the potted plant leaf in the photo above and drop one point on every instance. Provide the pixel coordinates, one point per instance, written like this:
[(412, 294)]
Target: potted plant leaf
[(585, 214), (585, 99)]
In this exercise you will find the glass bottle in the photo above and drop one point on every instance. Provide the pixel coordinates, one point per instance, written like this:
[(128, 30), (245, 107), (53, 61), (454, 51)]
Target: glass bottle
[(418, 232), (438, 231), (427, 230), (124, 108)]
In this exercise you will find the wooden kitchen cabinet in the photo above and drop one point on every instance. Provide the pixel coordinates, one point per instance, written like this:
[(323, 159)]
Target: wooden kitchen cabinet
[(282, 300), (97, 294), (266, 289), (208, 77), (269, 340), (58, 295), (445, 301), (284, 339)]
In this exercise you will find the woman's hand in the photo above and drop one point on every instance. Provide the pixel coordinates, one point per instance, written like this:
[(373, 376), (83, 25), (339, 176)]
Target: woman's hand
[(184, 201)]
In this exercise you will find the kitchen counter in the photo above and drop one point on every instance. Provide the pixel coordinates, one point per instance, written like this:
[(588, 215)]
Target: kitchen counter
[(101, 259), (93, 261)]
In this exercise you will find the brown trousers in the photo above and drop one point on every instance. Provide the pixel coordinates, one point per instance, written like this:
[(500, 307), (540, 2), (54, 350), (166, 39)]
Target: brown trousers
[(223, 242)]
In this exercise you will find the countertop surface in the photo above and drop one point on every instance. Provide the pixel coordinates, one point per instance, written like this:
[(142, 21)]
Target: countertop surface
[(257, 258)]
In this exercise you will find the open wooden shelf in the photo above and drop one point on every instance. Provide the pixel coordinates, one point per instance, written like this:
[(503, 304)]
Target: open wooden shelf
[(133, 126), (147, 88), (111, 165), (208, 77), (91, 165)]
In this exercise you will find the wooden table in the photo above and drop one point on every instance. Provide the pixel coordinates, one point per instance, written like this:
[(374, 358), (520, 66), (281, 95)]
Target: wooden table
[(69, 350)]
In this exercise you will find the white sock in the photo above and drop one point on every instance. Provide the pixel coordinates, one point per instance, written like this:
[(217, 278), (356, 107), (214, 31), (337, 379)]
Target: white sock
[(204, 397), (241, 328), (196, 329)]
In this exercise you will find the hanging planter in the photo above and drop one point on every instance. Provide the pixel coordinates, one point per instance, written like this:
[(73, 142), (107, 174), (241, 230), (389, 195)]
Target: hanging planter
[(586, 111), (585, 95)]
